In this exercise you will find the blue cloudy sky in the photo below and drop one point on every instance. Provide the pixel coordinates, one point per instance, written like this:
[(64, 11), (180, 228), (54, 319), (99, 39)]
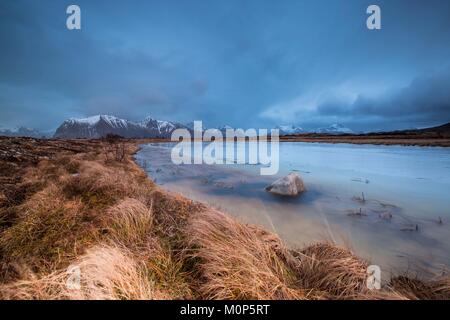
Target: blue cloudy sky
[(243, 63)]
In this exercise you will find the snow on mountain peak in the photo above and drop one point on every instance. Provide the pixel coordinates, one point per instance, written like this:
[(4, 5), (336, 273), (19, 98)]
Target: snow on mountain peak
[(94, 120), (335, 128), (89, 120), (165, 124), (289, 129)]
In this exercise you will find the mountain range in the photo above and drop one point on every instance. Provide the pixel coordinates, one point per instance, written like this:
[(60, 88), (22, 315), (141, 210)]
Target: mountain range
[(336, 128), (289, 129), (24, 132), (100, 125)]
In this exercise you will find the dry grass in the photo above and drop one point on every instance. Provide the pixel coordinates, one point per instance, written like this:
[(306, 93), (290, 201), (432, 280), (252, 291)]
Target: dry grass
[(235, 262), (49, 230), (129, 222), (415, 289), (99, 185), (171, 214), (106, 273), (331, 269), (132, 240)]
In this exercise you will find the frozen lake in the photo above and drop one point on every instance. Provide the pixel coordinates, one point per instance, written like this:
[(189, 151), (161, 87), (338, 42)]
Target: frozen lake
[(390, 204)]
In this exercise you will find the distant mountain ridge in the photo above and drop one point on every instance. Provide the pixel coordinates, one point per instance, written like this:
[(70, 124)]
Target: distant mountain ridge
[(101, 125), (336, 128), (23, 132), (289, 129), (445, 128), (333, 129), (440, 130)]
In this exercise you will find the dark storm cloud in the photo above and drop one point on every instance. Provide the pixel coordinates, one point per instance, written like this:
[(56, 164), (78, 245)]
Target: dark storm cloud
[(427, 97), (46, 68), (243, 63), (425, 100)]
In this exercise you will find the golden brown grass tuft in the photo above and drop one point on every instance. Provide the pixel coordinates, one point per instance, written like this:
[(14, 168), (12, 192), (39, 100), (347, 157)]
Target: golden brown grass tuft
[(98, 185), (415, 289), (106, 273), (171, 213), (49, 229), (331, 269), (235, 262), (166, 269), (129, 222)]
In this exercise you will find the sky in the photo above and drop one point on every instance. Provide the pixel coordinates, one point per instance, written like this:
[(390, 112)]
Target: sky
[(243, 63)]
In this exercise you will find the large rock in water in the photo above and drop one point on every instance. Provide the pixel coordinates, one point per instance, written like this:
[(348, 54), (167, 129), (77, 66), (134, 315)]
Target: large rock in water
[(290, 185)]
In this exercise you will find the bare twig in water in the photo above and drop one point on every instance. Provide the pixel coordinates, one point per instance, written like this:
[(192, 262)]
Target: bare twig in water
[(358, 213), (361, 199), (385, 204), (411, 227), (366, 181)]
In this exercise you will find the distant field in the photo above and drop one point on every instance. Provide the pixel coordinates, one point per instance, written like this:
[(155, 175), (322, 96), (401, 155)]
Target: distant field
[(383, 139), (435, 136), (425, 140)]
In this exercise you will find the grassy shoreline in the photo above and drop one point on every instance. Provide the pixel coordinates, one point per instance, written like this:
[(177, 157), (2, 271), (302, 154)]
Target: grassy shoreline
[(86, 203)]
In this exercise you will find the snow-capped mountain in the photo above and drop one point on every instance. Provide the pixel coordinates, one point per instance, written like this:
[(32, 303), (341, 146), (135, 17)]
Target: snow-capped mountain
[(336, 128), (100, 125), (160, 128), (23, 132), (289, 129)]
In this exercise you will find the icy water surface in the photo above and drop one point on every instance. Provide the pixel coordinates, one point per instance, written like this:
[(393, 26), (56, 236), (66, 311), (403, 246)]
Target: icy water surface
[(390, 204)]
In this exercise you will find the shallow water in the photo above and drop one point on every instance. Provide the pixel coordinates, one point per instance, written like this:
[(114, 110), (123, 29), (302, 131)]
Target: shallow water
[(385, 202)]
